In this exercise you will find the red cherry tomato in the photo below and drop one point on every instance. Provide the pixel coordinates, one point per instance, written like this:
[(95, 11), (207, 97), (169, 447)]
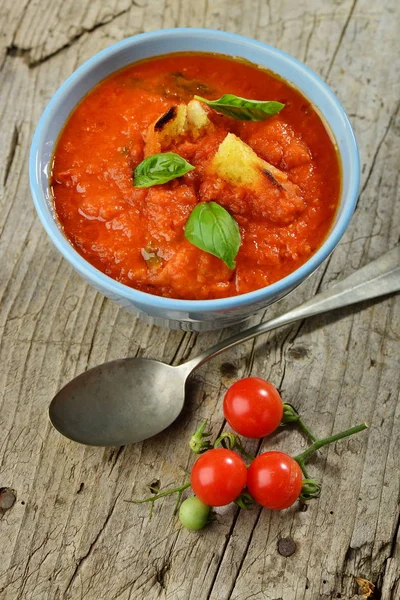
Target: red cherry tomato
[(253, 407), (274, 479), (218, 476)]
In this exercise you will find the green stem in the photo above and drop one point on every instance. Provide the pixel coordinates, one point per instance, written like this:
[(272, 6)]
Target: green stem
[(244, 453), (303, 427), (177, 490), (303, 468), (304, 456)]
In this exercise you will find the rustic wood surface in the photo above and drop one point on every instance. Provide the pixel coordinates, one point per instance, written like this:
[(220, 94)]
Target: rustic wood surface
[(70, 534)]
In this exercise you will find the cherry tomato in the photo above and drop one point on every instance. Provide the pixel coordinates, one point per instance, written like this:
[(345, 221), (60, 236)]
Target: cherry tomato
[(218, 476), (253, 407), (274, 479), (194, 514)]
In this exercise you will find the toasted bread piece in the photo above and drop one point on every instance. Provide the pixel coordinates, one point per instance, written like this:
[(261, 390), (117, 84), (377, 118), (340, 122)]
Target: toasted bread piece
[(237, 163), (197, 117), (179, 120), (272, 194)]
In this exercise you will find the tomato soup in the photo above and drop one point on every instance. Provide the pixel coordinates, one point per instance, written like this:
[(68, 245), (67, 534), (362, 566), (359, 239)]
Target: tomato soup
[(137, 235)]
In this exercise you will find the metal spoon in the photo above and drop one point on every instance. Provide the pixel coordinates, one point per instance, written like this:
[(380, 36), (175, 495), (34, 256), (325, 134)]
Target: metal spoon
[(132, 399)]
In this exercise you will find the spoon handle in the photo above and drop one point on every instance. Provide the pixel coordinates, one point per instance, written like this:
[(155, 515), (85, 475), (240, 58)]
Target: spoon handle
[(378, 278)]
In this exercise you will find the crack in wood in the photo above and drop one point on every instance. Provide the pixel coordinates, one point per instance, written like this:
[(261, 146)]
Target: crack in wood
[(243, 557), (222, 556), (378, 148), (11, 153), (83, 558), (341, 37), (26, 53), (314, 23), (98, 320), (321, 279), (114, 457), (186, 342)]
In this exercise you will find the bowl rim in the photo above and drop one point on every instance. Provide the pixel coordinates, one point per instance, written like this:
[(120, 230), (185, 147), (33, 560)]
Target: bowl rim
[(120, 290)]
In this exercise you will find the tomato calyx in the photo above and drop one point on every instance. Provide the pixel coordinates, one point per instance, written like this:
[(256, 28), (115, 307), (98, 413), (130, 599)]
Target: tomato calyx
[(292, 415), (310, 489), (245, 501), (198, 444)]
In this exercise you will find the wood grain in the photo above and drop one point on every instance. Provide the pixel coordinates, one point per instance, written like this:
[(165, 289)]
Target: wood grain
[(70, 534)]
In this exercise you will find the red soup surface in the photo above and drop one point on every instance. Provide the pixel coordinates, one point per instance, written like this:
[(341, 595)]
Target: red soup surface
[(136, 235)]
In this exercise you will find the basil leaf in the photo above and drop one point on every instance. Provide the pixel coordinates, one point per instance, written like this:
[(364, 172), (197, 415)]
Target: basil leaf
[(160, 168), (211, 228), (243, 109)]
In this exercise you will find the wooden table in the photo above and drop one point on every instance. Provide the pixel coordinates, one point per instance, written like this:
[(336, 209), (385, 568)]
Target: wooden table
[(70, 534)]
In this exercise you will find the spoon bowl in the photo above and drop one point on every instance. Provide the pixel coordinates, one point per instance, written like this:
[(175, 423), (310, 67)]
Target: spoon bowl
[(119, 402)]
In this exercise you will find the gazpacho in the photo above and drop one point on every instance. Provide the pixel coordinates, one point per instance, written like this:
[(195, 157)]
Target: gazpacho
[(195, 176)]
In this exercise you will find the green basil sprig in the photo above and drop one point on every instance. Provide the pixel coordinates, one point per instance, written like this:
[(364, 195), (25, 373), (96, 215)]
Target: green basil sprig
[(243, 109), (160, 168), (211, 228)]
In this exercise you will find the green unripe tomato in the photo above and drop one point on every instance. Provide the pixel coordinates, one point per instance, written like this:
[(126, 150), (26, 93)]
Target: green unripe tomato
[(194, 514)]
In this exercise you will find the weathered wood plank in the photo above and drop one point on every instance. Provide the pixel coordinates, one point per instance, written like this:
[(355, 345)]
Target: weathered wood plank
[(71, 534)]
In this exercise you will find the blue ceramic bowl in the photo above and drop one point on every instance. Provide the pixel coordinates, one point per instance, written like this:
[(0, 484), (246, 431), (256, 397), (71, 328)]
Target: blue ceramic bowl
[(189, 314)]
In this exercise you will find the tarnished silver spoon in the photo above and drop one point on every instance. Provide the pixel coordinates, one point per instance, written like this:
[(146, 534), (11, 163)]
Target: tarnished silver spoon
[(132, 399)]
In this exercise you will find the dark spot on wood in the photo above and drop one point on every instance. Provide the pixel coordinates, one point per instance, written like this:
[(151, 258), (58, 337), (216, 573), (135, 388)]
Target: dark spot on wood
[(331, 512), (298, 352), (154, 486), (23, 503), (80, 488), (161, 575), (166, 118), (228, 369), (272, 179), (338, 595), (286, 547), (8, 498), (372, 362), (324, 581), (303, 507)]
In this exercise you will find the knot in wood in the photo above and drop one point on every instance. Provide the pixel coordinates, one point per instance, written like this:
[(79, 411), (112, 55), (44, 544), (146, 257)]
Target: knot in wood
[(286, 547), (7, 499)]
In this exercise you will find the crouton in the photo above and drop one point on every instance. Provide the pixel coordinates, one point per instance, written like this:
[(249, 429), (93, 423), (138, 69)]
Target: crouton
[(191, 119), (237, 163), (273, 195), (197, 117)]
